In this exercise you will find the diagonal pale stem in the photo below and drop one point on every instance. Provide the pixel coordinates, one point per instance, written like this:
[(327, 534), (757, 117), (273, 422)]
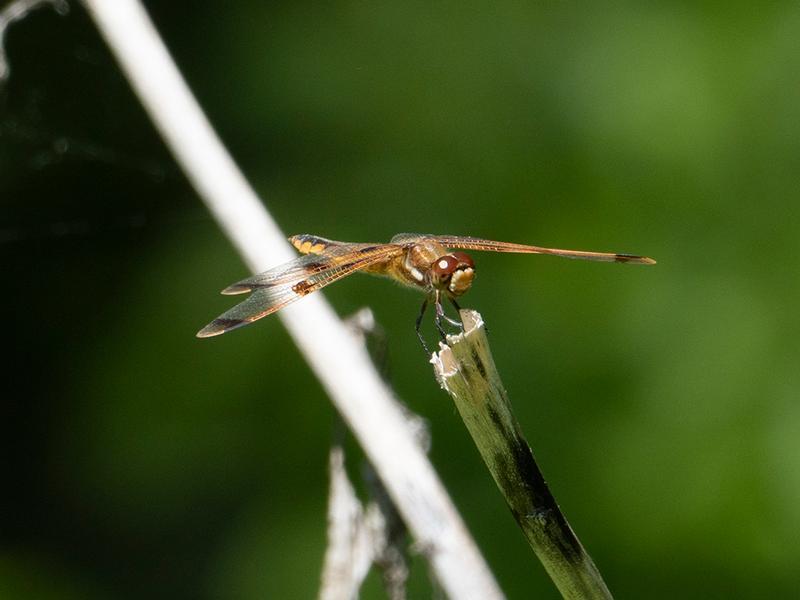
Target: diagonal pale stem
[(341, 364), (466, 370)]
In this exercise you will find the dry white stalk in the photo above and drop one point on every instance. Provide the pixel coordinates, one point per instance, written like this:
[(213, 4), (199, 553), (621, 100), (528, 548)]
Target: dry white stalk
[(359, 537), (356, 536), (341, 364)]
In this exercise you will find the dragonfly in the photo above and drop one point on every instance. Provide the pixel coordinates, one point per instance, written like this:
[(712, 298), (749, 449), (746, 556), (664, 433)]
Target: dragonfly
[(434, 264)]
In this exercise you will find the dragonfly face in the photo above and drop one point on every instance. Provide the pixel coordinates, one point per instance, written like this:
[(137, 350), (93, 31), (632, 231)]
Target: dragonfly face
[(417, 260), (452, 273)]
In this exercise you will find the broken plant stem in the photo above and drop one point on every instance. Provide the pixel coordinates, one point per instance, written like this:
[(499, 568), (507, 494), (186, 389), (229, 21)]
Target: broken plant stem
[(466, 370)]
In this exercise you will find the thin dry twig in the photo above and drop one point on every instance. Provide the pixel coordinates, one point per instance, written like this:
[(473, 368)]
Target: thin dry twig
[(356, 535), (341, 364), (362, 536)]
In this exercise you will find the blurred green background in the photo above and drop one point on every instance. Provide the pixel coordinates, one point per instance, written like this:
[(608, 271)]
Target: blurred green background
[(661, 403)]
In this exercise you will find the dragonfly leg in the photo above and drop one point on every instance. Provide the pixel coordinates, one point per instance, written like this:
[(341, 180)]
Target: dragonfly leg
[(458, 323), (440, 316), (419, 323), (458, 308), (453, 322)]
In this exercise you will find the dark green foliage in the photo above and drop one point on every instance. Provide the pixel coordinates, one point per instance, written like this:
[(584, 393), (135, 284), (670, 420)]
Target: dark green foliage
[(661, 402)]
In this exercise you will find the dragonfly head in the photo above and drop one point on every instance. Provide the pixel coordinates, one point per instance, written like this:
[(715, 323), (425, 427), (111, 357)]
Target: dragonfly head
[(453, 273)]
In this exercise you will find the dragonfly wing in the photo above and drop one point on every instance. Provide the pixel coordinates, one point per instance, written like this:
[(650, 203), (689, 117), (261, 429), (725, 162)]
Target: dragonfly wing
[(274, 289), (260, 303), (303, 266), (473, 243), (307, 243), (410, 238)]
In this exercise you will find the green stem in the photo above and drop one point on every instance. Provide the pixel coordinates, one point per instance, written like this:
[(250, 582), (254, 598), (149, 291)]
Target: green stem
[(466, 370)]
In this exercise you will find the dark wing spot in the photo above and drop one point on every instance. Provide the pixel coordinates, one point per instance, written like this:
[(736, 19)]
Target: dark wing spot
[(313, 267), (633, 258), (302, 288), (218, 326), (237, 288), (367, 250), (309, 244), (228, 323)]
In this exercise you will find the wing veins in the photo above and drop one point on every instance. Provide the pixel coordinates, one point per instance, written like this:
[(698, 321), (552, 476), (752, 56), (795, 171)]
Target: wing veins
[(473, 243), (308, 265), (268, 299)]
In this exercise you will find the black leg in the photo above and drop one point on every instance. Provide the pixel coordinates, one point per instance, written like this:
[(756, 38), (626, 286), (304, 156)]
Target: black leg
[(458, 323), (419, 323), (453, 322), (439, 314)]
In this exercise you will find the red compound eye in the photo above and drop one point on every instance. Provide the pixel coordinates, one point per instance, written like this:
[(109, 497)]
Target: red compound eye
[(453, 273), (444, 266), (464, 260)]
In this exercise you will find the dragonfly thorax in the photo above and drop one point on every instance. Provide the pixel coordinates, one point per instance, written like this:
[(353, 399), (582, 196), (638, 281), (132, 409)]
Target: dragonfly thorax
[(452, 273)]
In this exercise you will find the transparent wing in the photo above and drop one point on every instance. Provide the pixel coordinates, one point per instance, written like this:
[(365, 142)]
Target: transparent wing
[(278, 287), (307, 243), (473, 243), (310, 264)]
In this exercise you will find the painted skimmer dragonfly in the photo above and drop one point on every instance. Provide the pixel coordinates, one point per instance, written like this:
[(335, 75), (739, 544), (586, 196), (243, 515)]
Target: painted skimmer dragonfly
[(417, 260)]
